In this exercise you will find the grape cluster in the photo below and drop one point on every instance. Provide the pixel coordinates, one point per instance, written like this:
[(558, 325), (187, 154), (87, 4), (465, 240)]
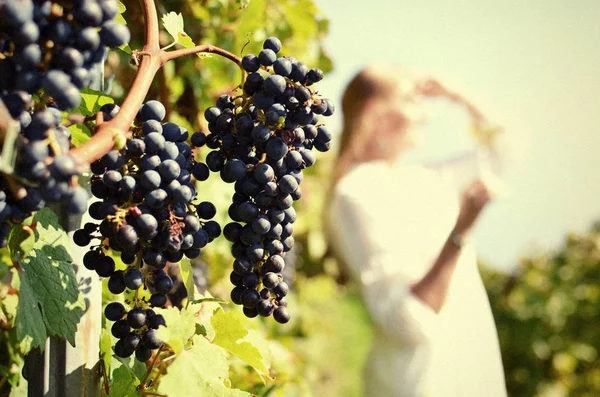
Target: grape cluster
[(53, 46), (148, 215), (262, 141)]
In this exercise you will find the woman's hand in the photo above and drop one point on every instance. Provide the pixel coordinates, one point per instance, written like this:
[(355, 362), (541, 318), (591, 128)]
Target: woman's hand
[(432, 88), (474, 199)]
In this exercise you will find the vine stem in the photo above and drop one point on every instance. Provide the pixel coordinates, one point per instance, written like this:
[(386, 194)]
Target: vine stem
[(152, 59), (152, 364)]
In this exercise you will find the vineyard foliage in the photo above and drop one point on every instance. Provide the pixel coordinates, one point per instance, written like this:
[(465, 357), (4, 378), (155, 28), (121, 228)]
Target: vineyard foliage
[(547, 317), (226, 353)]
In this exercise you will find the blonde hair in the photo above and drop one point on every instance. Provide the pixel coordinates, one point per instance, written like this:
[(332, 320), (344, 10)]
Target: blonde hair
[(371, 87)]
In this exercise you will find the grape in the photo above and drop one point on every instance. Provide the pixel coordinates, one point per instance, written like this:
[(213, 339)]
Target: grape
[(131, 341), (250, 298), (281, 315), (163, 284), (114, 311), (155, 321), (133, 279), (270, 280), (299, 72), (143, 354), (169, 170), (121, 350), (114, 34), (250, 63), (116, 284), (158, 300), (264, 308), (274, 85), (136, 318), (152, 110), (198, 139), (282, 67), (120, 329), (151, 340), (206, 210), (267, 57), (272, 43), (81, 238)]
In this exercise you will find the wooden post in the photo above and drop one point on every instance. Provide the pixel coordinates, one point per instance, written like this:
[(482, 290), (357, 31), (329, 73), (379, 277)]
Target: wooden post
[(63, 370)]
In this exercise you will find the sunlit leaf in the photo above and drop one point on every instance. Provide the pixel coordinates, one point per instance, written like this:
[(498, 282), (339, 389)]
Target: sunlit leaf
[(209, 365)]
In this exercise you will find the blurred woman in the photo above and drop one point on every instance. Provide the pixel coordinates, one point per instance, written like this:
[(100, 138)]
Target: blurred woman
[(404, 235)]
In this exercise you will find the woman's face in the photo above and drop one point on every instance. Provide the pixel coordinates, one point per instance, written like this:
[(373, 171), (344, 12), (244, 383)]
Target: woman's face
[(397, 128)]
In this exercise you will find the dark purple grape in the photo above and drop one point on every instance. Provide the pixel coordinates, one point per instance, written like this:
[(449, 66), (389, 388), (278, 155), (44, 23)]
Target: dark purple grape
[(281, 315), (136, 318), (114, 311)]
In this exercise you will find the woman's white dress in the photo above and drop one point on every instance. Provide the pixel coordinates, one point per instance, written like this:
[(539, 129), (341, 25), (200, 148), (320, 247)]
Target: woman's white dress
[(390, 223)]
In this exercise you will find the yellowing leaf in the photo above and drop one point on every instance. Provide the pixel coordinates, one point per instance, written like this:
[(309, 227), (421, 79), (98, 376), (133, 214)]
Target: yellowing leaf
[(208, 364), (173, 24), (185, 40), (231, 334), (180, 326)]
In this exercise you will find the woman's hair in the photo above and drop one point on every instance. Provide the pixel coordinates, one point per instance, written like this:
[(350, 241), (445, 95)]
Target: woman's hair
[(369, 94), (371, 87)]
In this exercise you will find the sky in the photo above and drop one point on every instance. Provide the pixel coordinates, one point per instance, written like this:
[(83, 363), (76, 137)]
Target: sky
[(532, 67)]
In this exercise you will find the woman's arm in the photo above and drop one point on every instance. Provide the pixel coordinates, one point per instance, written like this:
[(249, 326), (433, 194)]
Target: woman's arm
[(434, 89), (432, 289)]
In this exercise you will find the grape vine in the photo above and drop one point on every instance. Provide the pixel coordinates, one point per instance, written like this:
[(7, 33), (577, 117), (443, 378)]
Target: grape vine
[(145, 177)]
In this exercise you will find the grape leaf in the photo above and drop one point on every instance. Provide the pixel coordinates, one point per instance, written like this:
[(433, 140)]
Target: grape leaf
[(173, 24), (49, 294), (30, 322), (9, 306), (230, 334), (20, 240), (124, 383), (106, 348), (136, 368), (119, 17), (209, 365), (185, 267), (181, 326), (79, 134), (92, 101)]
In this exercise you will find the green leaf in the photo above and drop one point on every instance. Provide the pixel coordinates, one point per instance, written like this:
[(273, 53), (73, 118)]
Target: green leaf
[(124, 383), (79, 134), (125, 48), (230, 334), (20, 240), (119, 18), (30, 321), (181, 326), (185, 267), (136, 368), (49, 293), (106, 348), (208, 363), (92, 101)]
